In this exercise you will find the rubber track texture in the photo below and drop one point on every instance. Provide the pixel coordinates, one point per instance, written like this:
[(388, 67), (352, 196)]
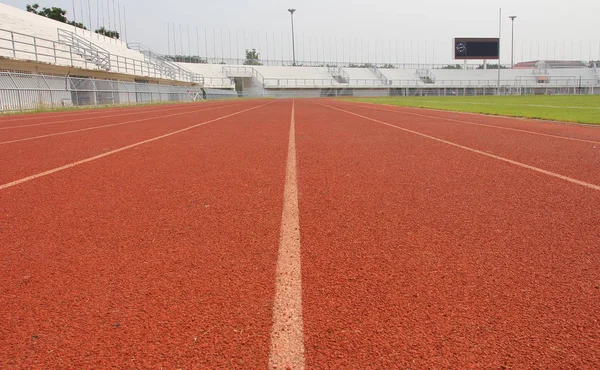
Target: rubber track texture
[(24, 158), (162, 255), (579, 160), (417, 254)]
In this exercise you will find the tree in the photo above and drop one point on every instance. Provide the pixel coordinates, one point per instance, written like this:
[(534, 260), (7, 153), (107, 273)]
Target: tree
[(57, 14), (365, 65), (107, 33), (388, 66), (252, 58), (77, 24), (491, 66), (452, 66)]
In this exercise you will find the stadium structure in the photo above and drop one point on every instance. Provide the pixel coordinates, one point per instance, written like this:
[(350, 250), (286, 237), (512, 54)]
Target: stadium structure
[(46, 63)]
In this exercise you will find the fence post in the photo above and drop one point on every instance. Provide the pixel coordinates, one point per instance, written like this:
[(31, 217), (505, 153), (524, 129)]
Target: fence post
[(35, 49), (12, 36)]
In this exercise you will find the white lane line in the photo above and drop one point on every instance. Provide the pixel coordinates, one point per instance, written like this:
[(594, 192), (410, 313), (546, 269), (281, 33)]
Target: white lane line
[(473, 123), (520, 164), (92, 117), (110, 125), (86, 160), (287, 334)]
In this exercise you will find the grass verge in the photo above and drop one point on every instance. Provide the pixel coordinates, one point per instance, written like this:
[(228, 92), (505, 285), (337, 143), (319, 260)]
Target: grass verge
[(575, 108)]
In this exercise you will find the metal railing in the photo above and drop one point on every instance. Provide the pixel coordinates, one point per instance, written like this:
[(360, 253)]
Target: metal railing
[(244, 71), (23, 91), (320, 63), (338, 74), (426, 76), (86, 49), (21, 46), (175, 71), (379, 75)]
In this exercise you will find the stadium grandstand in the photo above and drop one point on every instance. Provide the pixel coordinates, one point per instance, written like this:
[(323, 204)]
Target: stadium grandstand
[(48, 63)]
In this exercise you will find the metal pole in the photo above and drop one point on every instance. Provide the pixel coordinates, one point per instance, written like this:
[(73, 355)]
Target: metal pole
[(205, 44), (120, 23), (189, 44), (90, 18), (98, 17), (125, 21), (108, 15), (293, 40), (198, 42), (115, 21), (174, 42), (499, 37), (180, 40), (168, 39), (103, 20), (512, 43), (82, 17), (74, 17)]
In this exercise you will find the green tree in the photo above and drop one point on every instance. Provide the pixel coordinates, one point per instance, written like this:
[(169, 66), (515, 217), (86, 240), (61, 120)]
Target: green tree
[(107, 33), (77, 24), (452, 66), (252, 58), (57, 14), (491, 66)]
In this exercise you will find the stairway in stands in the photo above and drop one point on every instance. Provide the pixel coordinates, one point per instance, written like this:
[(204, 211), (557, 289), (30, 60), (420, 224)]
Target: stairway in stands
[(86, 49), (426, 76), (338, 74), (170, 68)]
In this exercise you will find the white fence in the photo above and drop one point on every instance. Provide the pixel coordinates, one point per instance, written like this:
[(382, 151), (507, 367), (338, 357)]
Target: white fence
[(22, 91)]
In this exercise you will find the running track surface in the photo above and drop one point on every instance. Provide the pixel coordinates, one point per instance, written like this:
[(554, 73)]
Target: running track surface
[(298, 234)]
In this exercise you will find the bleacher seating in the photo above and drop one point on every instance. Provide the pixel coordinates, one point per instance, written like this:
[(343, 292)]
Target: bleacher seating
[(32, 25), (37, 38), (214, 77), (296, 77)]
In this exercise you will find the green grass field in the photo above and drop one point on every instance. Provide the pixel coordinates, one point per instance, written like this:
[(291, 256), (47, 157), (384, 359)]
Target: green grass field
[(577, 108)]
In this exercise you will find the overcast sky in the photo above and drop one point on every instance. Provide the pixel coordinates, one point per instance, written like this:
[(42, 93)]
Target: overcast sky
[(386, 29)]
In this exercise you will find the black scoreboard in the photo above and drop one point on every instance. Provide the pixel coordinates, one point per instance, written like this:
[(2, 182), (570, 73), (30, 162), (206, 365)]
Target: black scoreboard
[(476, 48)]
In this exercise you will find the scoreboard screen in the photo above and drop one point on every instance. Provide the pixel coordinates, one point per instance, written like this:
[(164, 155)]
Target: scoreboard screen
[(476, 48)]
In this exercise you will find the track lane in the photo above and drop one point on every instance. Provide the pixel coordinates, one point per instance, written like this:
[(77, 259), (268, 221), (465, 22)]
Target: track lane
[(25, 158), (33, 118), (163, 255), (96, 124), (575, 159), (417, 254)]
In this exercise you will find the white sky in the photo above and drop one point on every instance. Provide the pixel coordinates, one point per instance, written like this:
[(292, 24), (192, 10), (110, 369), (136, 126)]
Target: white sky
[(543, 30)]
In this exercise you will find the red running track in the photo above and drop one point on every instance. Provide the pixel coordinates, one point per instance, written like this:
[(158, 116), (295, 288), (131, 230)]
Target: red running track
[(439, 247)]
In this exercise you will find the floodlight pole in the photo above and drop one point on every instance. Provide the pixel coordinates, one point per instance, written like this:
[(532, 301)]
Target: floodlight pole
[(512, 44), (293, 41)]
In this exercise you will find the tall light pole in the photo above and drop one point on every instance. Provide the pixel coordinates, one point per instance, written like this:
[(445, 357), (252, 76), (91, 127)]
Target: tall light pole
[(512, 44), (293, 41)]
